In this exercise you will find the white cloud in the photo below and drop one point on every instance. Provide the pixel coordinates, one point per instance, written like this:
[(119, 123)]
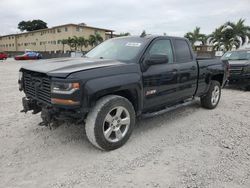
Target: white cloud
[(174, 17)]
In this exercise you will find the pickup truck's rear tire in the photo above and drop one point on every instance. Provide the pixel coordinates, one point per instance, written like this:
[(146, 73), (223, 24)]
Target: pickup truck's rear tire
[(212, 98), (110, 122)]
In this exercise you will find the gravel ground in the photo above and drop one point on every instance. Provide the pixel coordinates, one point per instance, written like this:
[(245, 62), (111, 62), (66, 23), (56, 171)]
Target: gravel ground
[(188, 147)]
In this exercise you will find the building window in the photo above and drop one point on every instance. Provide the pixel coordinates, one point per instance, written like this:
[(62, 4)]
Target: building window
[(58, 30), (66, 29), (78, 29)]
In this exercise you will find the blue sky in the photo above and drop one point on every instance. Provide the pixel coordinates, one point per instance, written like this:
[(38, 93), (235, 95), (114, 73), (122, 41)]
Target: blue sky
[(174, 17)]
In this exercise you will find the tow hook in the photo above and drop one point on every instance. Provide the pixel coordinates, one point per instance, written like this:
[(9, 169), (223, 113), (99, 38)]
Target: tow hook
[(30, 105), (48, 120)]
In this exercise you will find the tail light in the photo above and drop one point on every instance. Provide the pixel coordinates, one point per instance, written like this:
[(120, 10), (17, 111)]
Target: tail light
[(227, 68)]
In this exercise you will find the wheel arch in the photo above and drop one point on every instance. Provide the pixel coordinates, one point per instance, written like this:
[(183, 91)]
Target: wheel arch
[(218, 77), (127, 86), (131, 94)]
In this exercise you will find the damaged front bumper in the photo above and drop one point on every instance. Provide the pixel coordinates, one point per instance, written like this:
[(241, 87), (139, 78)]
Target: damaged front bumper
[(51, 114)]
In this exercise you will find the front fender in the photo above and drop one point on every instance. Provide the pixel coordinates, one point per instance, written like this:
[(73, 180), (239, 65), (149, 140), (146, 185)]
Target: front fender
[(99, 87)]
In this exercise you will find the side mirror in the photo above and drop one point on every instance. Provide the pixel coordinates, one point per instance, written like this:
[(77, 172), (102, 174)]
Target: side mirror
[(155, 59)]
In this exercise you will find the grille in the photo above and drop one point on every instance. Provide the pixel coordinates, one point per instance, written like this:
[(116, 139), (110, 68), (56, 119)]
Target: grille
[(235, 70), (37, 86)]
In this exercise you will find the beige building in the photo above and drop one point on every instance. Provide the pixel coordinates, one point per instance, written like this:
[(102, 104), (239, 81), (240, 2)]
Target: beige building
[(49, 40)]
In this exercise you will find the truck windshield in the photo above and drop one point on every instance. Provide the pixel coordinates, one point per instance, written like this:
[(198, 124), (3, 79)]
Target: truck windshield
[(237, 55), (122, 49)]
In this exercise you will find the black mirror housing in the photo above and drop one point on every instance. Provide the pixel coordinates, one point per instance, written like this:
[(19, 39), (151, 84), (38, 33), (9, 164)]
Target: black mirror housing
[(155, 59)]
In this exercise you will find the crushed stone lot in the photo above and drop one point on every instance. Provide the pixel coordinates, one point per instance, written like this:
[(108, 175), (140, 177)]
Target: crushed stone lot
[(187, 147)]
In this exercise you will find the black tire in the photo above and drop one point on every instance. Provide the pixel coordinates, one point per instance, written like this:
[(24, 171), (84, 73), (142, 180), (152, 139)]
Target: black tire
[(207, 100), (247, 88), (96, 123)]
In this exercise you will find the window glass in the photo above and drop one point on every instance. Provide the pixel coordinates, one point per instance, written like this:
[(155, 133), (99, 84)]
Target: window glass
[(237, 55), (182, 51), (123, 49), (162, 47)]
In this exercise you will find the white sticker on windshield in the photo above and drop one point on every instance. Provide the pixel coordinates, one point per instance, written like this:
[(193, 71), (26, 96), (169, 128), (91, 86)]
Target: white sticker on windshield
[(228, 55), (248, 52), (133, 44)]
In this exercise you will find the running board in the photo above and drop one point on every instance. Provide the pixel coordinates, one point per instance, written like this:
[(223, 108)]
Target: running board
[(167, 109)]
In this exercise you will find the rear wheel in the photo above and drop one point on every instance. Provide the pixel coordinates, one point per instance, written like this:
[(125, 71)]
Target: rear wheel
[(212, 98), (110, 123)]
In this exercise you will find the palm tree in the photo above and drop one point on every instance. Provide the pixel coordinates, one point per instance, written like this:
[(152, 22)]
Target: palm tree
[(73, 43), (99, 38), (70, 42), (240, 30), (82, 42), (196, 36), (224, 38), (64, 41), (216, 38), (92, 40)]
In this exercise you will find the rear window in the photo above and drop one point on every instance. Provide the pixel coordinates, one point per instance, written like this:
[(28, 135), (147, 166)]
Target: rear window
[(182, 51)]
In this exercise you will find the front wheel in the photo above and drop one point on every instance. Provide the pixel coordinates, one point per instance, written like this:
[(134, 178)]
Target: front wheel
[(110, 123), (247, 88), (212, 98)]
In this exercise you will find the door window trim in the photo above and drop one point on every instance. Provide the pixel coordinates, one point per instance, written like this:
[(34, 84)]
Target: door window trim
[(153, 42)]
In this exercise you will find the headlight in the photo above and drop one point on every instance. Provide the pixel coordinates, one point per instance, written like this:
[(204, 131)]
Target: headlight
[(20, 75), (246, 69), (64, 88)]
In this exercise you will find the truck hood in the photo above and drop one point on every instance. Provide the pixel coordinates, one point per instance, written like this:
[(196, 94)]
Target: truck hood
[(239, 63), (62, 67)]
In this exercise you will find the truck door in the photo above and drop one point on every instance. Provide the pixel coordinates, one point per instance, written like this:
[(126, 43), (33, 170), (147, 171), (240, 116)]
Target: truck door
[(188, 69), (159, 80)]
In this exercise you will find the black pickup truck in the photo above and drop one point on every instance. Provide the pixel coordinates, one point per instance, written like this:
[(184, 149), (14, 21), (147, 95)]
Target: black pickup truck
[(239, 71), (119, 80)]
